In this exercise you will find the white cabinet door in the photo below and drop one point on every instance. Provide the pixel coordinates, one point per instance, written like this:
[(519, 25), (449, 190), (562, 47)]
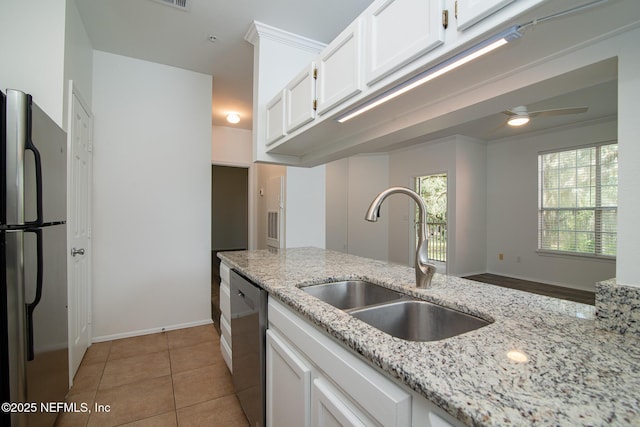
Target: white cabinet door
[(468, 12), (300, 95), (329, 409), (275, 119), (288, 385), (399, 31), (340, 68)]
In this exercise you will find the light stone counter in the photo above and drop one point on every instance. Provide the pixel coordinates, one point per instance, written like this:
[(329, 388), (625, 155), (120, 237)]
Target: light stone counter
[(575, 374)]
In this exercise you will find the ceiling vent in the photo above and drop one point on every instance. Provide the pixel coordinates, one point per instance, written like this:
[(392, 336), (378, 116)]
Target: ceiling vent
[(178, 4)]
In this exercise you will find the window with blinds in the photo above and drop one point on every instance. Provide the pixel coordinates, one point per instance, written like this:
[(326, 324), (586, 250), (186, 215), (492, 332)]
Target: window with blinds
[(578, 200)]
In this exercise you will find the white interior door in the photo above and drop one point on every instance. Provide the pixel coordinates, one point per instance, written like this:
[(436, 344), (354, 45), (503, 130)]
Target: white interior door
[(79, 230)]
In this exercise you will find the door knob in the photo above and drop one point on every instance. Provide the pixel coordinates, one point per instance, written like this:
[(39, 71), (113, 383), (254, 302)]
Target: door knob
[(75, 251)]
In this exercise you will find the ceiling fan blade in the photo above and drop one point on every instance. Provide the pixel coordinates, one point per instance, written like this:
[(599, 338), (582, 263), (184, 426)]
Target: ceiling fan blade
[(558, 112)]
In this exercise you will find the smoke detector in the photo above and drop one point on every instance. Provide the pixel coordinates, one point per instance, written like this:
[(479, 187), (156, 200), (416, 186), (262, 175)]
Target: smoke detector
[(178, 4)]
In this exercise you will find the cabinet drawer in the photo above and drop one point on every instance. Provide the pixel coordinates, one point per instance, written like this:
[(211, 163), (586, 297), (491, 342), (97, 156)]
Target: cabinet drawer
[(225, 329), (225, 272), (225, 300), (225, 349), (331, 408)]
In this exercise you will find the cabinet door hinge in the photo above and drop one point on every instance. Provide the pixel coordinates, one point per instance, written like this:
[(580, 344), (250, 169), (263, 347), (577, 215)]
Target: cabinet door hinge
[(455, 9), (445, 18), (315, 73), (315, 104)]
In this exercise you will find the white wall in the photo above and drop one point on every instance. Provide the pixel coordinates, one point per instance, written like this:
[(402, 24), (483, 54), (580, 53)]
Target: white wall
[(512, 203), (78, 60), (305, 207), (463, 160), (352, 184), (32, 43), (231, 146), (470, 212), (628, 267), (264, 173), (337, 212), (152, 197), (425, 159)]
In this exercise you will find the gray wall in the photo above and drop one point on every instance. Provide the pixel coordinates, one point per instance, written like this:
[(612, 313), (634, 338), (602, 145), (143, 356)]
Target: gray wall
[(229, 207)]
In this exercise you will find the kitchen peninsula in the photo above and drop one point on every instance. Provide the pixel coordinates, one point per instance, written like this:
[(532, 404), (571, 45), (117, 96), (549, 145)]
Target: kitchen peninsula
[(565, 371)]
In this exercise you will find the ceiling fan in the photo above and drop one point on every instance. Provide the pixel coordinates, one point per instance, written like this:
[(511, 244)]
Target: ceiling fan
[(519, 116)]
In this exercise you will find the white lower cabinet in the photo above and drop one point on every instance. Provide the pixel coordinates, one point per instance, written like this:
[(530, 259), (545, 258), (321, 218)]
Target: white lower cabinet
[(288, 385), (312, 380), (330, 407), (225, 315)]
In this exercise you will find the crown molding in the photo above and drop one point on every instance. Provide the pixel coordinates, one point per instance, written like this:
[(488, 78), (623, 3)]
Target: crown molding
[(258, 30)]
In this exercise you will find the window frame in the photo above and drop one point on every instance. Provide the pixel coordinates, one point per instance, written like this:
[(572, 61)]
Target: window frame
[(597, 209)]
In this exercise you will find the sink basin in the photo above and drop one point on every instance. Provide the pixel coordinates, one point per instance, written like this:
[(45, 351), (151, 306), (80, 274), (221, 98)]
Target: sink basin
[(350, 294), (415, 320)]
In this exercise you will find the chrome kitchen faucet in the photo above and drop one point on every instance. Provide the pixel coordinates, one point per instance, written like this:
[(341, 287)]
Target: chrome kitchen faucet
[(424, 270)]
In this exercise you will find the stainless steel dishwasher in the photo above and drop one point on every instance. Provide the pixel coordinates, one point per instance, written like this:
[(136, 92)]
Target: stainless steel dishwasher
[(248, 332)]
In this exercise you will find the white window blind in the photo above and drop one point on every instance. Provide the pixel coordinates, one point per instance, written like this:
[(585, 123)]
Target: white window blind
[(578, 200)]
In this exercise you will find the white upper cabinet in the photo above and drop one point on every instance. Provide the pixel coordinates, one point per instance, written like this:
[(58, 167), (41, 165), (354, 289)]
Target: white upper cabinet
[(399, 31), (469, 12), (340, 68), (275, 119), (300, 95)]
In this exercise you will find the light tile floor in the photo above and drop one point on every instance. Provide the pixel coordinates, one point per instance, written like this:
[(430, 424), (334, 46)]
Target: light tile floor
[(175, 378)]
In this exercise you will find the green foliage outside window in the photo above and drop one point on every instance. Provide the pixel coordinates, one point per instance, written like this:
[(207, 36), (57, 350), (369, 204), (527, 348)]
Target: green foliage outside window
[(578, 198)]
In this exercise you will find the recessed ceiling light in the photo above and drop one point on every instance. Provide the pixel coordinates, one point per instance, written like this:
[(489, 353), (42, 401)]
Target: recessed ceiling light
[(233, 118)]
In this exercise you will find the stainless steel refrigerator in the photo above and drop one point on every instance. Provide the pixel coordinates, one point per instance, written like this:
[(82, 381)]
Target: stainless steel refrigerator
[(34, 365)]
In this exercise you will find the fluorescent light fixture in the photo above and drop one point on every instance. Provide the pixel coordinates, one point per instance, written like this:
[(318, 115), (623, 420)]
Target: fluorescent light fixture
[(454, 62), (233, 118)]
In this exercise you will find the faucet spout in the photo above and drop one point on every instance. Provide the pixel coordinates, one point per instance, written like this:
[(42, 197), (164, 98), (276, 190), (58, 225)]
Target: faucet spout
[(424, 270)]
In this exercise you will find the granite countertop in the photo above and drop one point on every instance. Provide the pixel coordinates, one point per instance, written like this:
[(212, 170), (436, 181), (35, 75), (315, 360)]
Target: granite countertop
[(574, 373)]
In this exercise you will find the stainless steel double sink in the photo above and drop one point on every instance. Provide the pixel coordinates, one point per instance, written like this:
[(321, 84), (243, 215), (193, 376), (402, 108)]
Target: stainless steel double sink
[(395, 313)]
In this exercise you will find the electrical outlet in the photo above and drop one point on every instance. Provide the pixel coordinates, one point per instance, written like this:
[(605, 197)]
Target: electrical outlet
[(500, 257)]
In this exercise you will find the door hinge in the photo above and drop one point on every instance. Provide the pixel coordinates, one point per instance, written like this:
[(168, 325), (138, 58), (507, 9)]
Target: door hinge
[(445, 18), (315, 73), (315, 104), (455, 9)]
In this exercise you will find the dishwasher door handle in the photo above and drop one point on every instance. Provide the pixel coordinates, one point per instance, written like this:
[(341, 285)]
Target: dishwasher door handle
[(247, 301)]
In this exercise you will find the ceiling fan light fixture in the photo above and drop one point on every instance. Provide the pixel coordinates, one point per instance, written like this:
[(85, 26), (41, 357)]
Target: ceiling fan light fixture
[(233, 118), (518, 120)]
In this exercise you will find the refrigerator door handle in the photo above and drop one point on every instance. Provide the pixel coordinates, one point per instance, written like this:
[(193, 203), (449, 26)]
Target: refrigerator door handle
[(30, 307), (29, 145)]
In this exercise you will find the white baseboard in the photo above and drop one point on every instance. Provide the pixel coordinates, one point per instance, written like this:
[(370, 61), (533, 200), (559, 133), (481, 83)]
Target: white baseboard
[(151, 331)]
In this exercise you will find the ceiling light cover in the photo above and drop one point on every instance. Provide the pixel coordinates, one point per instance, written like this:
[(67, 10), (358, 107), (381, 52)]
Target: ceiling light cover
[(518, 120), (233, 118)]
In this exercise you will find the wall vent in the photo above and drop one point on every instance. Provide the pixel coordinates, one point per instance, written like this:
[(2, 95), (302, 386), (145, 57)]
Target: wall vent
[(178, 4), (273, 229)]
